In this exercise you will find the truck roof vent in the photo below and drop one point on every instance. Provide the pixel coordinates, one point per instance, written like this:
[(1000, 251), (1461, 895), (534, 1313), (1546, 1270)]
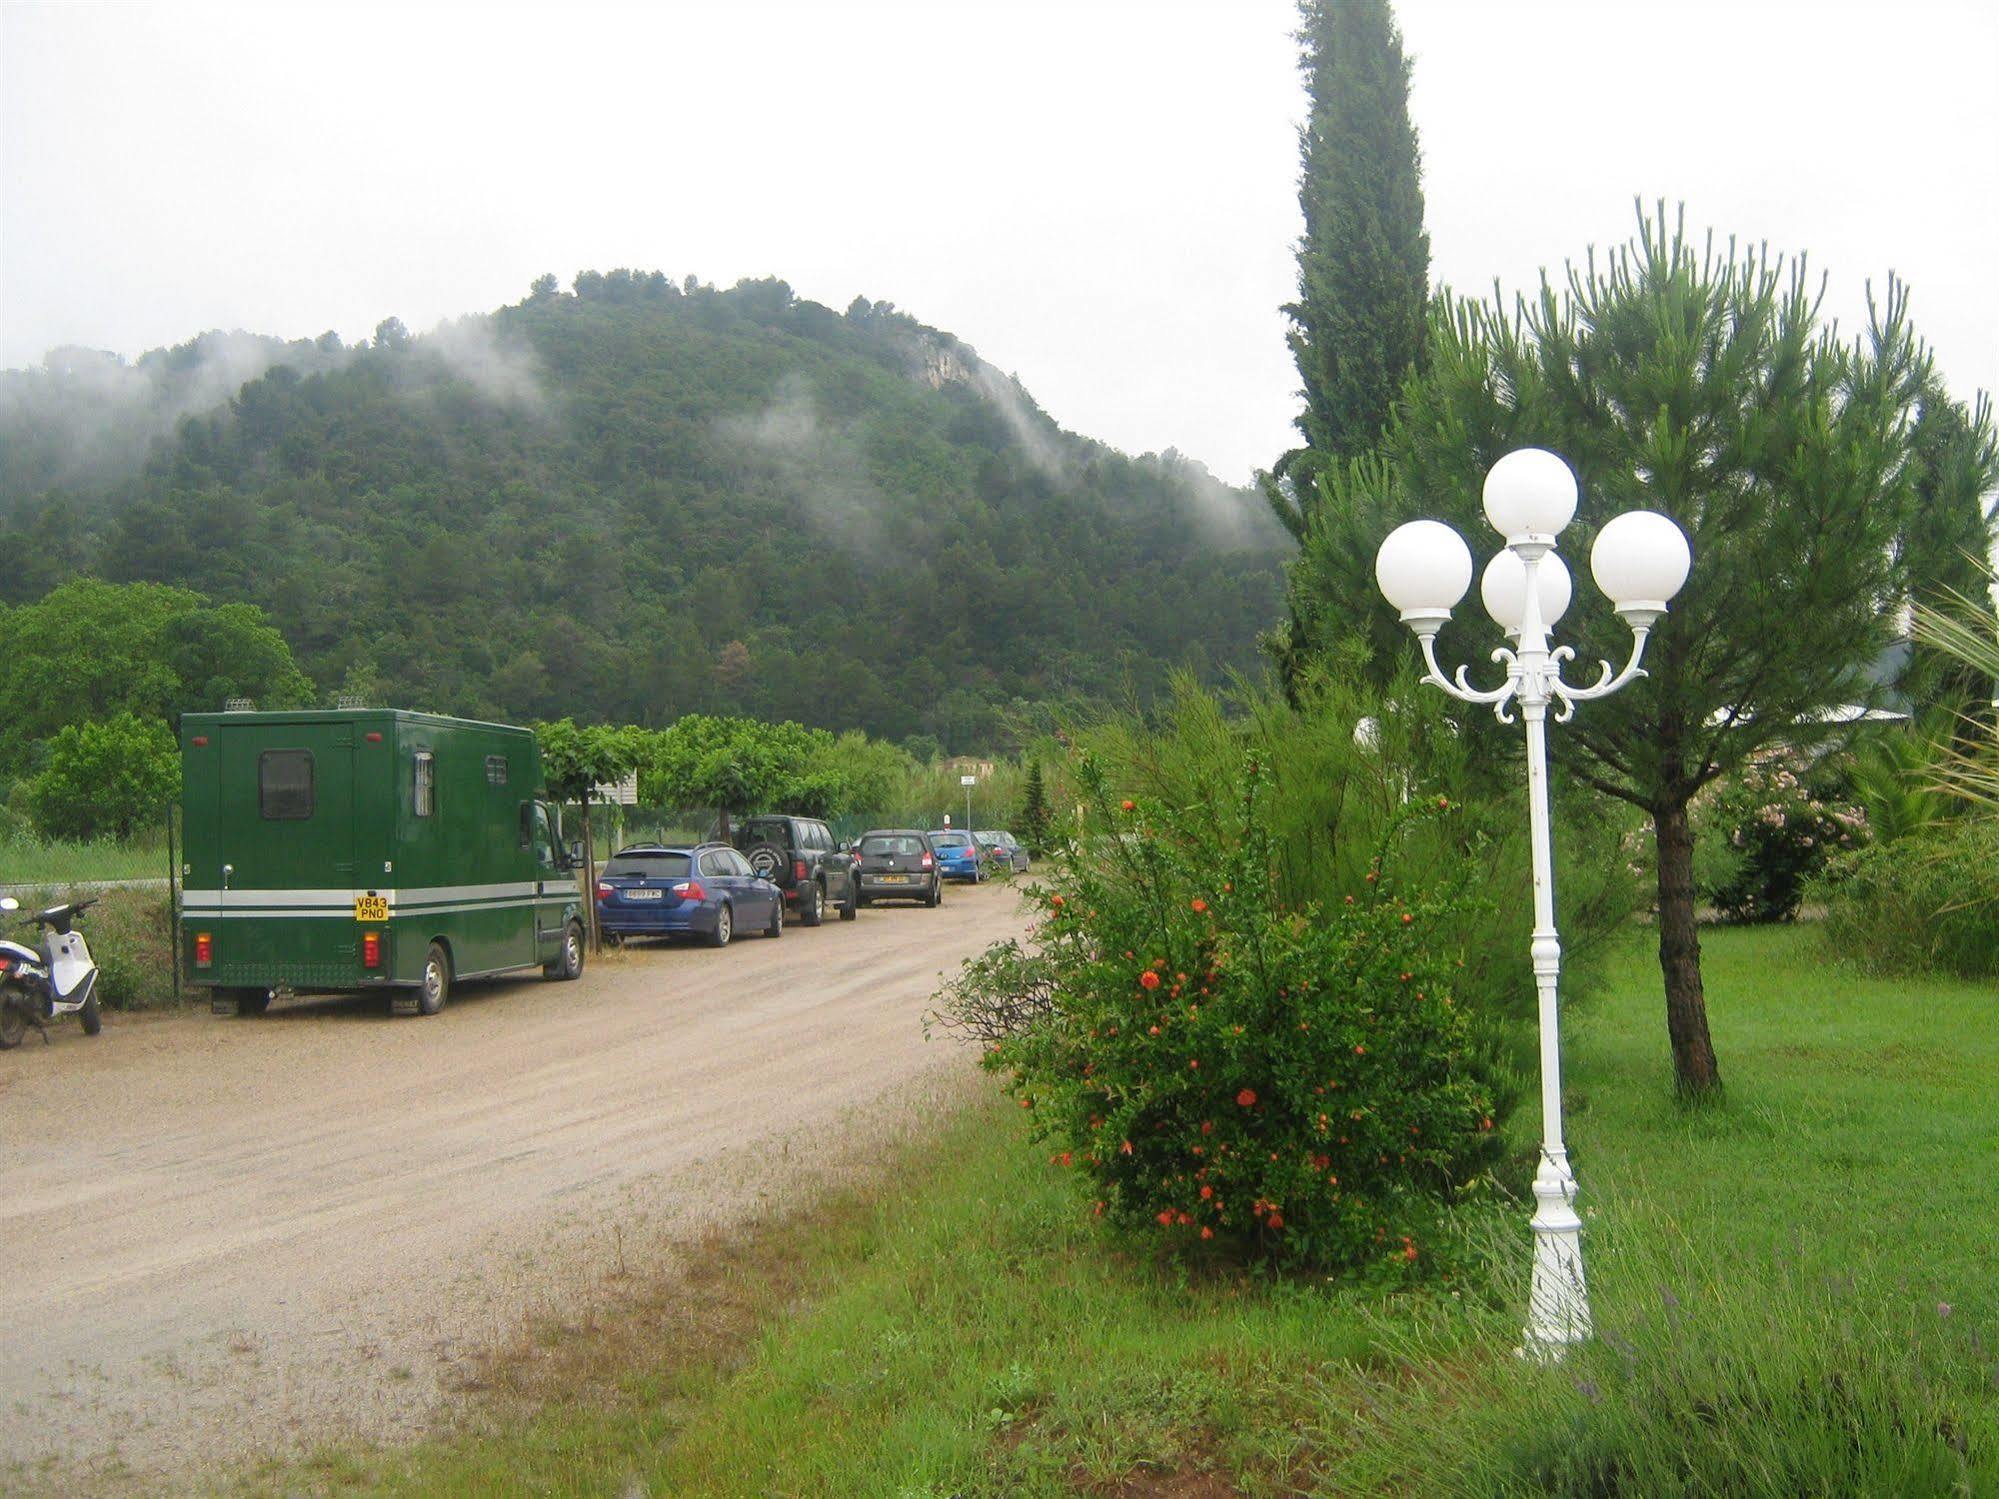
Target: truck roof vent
[(240, 705), (347, 702)]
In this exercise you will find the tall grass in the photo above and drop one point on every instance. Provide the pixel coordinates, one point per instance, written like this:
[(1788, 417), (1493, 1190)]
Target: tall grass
[(54, 862)]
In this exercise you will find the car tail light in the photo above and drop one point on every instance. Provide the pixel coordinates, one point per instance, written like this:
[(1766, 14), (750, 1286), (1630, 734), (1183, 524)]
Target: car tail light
[(603, 892), (928, 861), (204, 950), (371, 949), (690, 890), (798, 870)]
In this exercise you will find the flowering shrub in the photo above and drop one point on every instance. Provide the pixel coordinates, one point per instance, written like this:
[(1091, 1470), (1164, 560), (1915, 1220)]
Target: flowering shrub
[(1767, 833), (1292, 1083)]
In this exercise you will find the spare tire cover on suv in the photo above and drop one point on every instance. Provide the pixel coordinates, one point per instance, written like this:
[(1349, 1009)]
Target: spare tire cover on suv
[(767, 859)]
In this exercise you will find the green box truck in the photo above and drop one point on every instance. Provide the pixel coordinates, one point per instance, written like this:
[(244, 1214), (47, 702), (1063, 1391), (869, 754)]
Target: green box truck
[(368, 849)]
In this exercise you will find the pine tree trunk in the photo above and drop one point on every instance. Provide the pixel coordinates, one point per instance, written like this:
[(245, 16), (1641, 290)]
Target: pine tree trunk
[(1694, 1070)]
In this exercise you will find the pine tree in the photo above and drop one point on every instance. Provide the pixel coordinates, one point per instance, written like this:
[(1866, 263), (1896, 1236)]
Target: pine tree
[(1364, 261)]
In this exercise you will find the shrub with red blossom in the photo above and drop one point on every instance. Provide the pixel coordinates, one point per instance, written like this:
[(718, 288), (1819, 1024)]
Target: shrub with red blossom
[(1297, 1084)]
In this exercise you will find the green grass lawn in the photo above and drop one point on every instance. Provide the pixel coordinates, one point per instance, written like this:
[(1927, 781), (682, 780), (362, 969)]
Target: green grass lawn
[(1793, 1290)]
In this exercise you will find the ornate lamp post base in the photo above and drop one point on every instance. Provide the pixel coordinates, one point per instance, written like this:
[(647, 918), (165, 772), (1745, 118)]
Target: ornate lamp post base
[(1558, 1302)]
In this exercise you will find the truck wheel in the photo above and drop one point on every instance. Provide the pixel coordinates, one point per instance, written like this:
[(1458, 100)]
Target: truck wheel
[(811, 904), (570, 964), (725, 928), (853, 906), (91, 1017), (436, 980)]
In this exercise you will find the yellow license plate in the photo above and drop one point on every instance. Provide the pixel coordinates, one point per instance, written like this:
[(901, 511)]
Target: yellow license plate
[(371, 908)]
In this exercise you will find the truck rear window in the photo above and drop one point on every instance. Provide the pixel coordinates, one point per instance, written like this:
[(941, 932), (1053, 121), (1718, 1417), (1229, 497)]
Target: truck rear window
[(284, 785), (659, 866)]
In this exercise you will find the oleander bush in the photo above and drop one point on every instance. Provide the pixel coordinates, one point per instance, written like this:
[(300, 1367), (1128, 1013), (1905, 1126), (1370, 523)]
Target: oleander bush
[(1926, 903), (1765, 833), (1293, 1083)]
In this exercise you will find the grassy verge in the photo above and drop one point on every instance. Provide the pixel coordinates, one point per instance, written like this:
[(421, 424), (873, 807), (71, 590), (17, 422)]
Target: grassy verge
[(1792, 1292), (62, 862)]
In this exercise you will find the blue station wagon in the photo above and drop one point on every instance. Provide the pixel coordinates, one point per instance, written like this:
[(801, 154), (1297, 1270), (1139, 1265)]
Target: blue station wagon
[(706, 891)]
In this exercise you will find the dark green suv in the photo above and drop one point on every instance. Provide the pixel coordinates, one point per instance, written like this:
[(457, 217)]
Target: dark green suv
[(800, 856)]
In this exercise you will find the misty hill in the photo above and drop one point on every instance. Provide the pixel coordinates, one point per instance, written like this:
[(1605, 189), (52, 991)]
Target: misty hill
[(640, 500)]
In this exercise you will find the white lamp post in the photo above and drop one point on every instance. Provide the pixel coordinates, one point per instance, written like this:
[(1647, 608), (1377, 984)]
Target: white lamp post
[(1640, 560)]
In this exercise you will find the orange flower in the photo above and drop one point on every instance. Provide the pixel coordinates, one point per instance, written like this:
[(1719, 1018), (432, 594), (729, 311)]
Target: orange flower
[(1207, 1233), (1152, 1030), (1247, 1098), (1056, 901), (1128, 804), (1199, 904), (1407, 918), (1149, 980), (1206, 1193), (1166, 1217), (1125, 1149), (1193, 1064), (1276, 1219), (1027, 1103)]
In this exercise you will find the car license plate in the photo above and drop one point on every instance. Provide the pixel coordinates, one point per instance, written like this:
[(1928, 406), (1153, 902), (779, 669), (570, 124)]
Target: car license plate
[(893, 879), (371, 908), (641, 894)]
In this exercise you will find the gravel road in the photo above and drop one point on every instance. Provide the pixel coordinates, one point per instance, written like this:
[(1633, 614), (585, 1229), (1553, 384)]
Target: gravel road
[(233, 1237)]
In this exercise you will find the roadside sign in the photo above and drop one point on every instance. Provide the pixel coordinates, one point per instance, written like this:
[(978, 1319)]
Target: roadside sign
[(968, 780)]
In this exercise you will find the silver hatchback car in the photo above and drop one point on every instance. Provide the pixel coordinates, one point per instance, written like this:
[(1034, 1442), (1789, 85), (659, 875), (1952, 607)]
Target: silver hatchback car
[(1005, 847)]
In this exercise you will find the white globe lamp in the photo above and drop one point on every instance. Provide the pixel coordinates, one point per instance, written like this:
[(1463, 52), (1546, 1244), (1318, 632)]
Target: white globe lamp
[(1423, 569), (1640, 560), (1530, 492), (1503, 590)]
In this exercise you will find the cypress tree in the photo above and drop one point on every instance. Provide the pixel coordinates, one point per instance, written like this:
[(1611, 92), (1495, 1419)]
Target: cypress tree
[(1034, 816), (1357, 327)]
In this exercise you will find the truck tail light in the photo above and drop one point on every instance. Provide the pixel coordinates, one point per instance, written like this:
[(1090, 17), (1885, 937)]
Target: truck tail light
[(371, 949), (798, 870), (690, 890), (204, 950)]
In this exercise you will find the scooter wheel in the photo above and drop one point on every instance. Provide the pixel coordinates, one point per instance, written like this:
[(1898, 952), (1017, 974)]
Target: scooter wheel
[(13, 1026), (90, 1015)]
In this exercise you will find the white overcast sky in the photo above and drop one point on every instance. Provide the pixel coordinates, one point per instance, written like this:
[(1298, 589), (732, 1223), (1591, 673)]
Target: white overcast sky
[(1100, 196)]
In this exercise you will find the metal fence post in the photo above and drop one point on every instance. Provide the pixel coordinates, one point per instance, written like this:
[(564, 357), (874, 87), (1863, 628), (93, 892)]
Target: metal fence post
[(173, 898)]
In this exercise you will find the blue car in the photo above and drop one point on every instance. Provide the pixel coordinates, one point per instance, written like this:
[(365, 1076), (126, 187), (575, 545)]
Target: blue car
[(959, 856), (707, 891)]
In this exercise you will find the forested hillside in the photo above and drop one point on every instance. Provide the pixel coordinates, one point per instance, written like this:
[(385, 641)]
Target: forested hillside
[(642, 499)]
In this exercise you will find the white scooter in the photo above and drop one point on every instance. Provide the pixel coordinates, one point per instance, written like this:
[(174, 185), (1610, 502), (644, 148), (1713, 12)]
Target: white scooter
[(59, 979)]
